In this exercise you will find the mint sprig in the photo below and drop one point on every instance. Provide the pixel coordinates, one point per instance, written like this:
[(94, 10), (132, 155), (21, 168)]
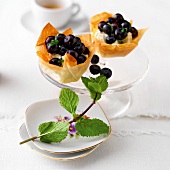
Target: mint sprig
[(58, 131)]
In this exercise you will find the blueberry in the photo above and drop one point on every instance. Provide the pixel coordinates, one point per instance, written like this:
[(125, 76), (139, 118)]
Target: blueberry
[(49, 38), (100, 25), (115, 26), (81, 59), (107, 29), (86, 51), (95, 59), (126, 24), (63, 50), (120, 33), (69, 41), (53, 49), (73, 53), (118, 18), (110, 20), (56, 61), (95, 69), (76, 40), (134, 32), (110, 39), (79, 48), (106, 72), (60, 38)]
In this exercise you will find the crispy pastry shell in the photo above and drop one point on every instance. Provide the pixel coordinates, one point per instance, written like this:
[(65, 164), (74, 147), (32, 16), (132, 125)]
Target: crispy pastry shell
[(70, 71), (107, 50)]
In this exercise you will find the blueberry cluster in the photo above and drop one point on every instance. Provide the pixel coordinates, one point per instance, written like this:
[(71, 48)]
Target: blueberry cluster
[(60, 44), (95, 69), (116, 28)]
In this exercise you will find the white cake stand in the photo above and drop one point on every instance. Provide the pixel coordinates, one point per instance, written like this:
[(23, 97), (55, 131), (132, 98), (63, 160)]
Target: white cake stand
[(127, 72)]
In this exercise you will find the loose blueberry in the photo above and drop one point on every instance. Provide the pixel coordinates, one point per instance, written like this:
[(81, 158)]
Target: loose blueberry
[(106, 72), (95, 69), (95, 59)]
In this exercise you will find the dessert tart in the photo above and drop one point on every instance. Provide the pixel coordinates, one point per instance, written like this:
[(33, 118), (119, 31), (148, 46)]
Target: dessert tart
[(114, 36), (64, 54)]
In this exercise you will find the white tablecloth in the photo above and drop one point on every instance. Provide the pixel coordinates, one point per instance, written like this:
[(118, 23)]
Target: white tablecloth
[(140, 140)]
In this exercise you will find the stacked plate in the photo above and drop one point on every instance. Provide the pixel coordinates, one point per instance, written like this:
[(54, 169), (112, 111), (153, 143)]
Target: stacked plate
[(70, 148)]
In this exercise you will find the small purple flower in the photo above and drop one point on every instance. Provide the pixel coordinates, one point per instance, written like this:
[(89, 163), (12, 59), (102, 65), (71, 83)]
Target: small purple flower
[(66, 118), (72, 129)]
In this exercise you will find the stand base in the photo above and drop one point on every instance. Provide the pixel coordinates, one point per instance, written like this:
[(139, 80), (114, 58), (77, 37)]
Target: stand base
[(115, 105)]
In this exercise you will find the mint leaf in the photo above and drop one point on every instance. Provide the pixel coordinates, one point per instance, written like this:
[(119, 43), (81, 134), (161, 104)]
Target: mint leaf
[(102, 80), (85, 81), (53, 131), (95, 86), (120, 41), (69, 100), (91, 127), (54, 42)]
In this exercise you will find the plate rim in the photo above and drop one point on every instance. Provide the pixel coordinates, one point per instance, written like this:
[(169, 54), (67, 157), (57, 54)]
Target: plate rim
[(50, 157)]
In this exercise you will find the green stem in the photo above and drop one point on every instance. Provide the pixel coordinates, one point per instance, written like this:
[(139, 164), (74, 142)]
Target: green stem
[(30, 139), (85, 111)]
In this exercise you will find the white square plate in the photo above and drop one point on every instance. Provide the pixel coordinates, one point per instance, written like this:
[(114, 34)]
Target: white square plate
[(45, 111)]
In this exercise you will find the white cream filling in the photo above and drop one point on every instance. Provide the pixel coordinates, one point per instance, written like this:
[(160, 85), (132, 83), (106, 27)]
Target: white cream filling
[(101, 36)]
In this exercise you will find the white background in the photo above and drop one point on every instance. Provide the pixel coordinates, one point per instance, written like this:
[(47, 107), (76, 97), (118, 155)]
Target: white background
[(137, 143)]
